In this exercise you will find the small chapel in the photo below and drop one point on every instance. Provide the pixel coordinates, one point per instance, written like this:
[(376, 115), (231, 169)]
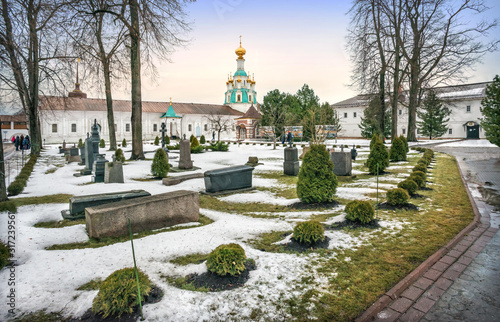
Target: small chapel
[(70, 118)]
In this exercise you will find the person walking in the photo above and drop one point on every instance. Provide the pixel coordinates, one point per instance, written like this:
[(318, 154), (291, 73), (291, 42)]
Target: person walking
[(21, 140), (289, 137), (16, 143), (28, 145)]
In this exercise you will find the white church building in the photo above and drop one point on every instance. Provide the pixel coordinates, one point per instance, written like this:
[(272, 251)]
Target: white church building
[(464, 101), (70, 118)]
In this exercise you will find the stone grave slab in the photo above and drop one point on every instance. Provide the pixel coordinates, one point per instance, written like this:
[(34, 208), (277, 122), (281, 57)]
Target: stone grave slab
[(77, 204), (291, 164), (178, 179), (230, 178), (146, 213), (113, 172), (342, 162)]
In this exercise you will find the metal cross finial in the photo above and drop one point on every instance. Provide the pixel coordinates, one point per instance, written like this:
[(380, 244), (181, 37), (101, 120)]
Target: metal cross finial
[(240, 40), (171, 101)]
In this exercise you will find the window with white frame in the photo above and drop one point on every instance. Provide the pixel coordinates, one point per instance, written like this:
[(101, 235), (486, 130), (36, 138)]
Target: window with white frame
[(190, 127), (404, 131), (127, 127), (116, 127), (155, 127), (54, 128), (400, 112), (468, 108), (354, 114), (205, 127), (450, 131), (345, 115), (73, 127)]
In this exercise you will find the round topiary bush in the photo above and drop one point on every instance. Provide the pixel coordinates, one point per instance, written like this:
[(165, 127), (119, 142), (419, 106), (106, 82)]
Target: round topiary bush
[(202, 140), (118, 293), (157, 141), (228, 259), (420, 174), (316, 182), (420, 167), (418, 180), (398, 150), (359, 211), (160, 166), (378, 155), (309, 232), (102, 144), (119, 157), (409, 185), (15, 188), (22, 177), (423, 162), (124, 143), (397, 197)]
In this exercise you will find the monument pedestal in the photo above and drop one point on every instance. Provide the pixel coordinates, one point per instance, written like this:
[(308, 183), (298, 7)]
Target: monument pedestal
[(291, 165), (342, 163)]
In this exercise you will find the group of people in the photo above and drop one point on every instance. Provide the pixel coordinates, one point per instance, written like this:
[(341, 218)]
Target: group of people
[(22, 142), (288, 137)]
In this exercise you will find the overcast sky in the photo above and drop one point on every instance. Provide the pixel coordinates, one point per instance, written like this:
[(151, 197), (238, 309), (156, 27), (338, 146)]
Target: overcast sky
[(288, 43)]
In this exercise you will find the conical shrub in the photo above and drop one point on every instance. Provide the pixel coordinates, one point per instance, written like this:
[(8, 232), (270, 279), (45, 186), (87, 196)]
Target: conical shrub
[(316, 182), (378, 155), (398, 150), (160, 166)]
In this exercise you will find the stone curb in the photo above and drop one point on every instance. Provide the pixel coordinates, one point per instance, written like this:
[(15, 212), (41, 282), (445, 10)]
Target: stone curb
[(418, 272)]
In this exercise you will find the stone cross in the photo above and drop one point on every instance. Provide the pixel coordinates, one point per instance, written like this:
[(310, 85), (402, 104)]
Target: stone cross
[(163, 130)]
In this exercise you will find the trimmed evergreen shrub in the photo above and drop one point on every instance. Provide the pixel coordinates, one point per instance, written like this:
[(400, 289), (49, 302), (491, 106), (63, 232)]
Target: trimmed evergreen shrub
[(409, 185), (418, 180), (316, 182), (15, 188), (195, 146), (423, 162), (309, 232), (8, 205), (358, 146), (4, 255), (378, 154), (219, 146), (167, 140), (102, 144), (80, 143), (202, 140), (22, 177), (119, 157), (420, 174), (420, 167), (173, 147), (360, 211), (191, 138), (375, 138), (397, 197), (118, 293), (160, 166), (157, 141), (398, 150), (405, 142), (124, 143), (227, 259)]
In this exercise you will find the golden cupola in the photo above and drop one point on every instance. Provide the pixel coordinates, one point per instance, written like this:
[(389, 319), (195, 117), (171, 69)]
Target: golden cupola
[(240, 51)]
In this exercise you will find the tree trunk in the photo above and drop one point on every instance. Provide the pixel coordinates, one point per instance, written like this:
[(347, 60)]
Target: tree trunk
[(33, 75), (135, 56), (3, 187), (109, 105), (382, 103), (412, 106)]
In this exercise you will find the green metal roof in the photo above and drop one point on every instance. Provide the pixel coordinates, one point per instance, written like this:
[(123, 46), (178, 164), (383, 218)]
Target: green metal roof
[(170, 113)]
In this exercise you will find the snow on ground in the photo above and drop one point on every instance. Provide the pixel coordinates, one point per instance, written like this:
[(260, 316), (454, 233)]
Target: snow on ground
[(469, 143), (49, 279)]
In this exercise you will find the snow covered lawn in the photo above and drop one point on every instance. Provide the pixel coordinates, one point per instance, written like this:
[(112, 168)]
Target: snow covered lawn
[(48, 280)]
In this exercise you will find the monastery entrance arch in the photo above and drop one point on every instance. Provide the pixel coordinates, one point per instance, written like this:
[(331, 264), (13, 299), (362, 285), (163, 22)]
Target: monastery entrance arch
[(472, 130)]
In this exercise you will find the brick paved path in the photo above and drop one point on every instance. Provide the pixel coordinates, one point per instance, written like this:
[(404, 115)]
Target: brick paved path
[(460, 282)]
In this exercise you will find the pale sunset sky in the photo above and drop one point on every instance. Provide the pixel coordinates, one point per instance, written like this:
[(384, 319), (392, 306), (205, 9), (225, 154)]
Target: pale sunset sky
[(288, 43)]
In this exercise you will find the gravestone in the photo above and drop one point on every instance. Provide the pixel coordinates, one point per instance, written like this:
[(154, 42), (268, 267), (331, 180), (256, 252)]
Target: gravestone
[(99, 167), (82, 155), (185, 154), (89, 156), (145, 213), (230, 178), (342, 163), (291, 164), (73, 155), (304, 151), (253, 161), (163, 143), (354, 153), (78, 204), (113, 172)]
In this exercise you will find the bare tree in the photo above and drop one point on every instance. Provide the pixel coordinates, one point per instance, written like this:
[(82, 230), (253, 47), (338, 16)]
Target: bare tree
[(442, 45), (100, 42), (3, 187), (219, 122), (157, 25), (32, 47)]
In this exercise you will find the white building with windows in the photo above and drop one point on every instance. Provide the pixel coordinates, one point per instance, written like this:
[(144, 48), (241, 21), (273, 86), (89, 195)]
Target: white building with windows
[(70, 118), (464, 101)]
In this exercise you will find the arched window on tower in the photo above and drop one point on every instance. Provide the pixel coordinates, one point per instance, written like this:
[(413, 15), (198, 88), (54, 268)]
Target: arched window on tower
[(239, 98)]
